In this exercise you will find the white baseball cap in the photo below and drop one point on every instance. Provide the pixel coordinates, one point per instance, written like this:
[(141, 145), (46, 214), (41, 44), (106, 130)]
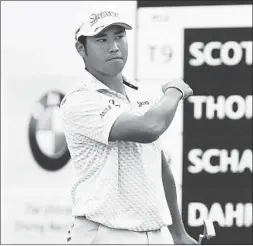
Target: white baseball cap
[(97, 18)]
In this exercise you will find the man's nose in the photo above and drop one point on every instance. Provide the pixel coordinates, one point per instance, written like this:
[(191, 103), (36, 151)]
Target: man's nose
[(113, 47)]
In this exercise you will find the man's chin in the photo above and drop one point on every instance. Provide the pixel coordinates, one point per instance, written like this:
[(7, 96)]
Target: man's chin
[(115, 70)]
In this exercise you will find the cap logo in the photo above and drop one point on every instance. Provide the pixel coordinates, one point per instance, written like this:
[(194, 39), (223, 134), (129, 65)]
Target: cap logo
[(97, 16)]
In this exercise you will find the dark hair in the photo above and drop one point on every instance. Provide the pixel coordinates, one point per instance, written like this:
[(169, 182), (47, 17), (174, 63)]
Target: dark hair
[(82, 40)]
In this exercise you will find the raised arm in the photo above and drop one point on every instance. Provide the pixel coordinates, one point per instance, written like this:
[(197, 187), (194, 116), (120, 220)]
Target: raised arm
[(150, 126)]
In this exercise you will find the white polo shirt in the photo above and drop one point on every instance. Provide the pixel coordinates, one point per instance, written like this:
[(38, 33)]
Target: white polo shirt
[(118, 184)]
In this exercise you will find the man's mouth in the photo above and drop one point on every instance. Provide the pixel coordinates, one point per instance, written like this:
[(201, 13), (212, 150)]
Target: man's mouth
[(115, 58)]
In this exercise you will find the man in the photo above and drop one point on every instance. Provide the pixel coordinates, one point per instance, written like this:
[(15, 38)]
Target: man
[(124, 192)]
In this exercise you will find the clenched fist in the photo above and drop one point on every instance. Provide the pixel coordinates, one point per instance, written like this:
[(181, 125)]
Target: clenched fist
[(180, 85)]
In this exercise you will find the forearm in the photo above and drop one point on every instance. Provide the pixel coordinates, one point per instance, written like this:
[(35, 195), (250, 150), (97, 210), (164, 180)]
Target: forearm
[(160, 116), (177, 228)]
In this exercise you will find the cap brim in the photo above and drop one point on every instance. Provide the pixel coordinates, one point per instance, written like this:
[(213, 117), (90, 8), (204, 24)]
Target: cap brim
[(123, 24)]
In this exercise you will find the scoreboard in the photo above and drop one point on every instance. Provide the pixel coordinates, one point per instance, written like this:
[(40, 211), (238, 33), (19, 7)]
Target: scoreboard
[(210, 47)]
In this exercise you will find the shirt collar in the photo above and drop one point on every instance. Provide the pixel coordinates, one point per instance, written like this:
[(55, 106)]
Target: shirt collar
[(93, 83)]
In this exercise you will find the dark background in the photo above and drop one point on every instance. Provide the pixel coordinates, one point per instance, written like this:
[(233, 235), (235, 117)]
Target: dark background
[(215, 133)]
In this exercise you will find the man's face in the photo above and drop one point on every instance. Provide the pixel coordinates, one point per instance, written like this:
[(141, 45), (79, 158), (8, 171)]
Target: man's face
[(107, 52)]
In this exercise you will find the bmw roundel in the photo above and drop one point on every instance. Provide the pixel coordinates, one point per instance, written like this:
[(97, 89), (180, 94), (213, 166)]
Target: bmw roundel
[(46, 137)]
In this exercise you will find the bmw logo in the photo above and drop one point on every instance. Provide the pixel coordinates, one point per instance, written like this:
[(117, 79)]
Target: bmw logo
[(46, 137)]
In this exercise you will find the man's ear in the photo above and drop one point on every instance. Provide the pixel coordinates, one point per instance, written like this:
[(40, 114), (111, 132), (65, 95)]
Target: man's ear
[(80, 49)]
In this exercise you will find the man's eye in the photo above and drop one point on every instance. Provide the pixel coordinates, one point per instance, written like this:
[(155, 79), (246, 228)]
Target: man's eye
[(120, 36), (102, 40)]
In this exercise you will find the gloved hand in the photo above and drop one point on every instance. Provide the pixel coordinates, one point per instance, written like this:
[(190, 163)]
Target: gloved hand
[(180, 85)]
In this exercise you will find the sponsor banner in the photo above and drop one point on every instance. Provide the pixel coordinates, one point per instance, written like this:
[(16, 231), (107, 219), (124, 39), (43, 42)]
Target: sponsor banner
[(36, 173), (32, 216), (34, 144), (217, 160)]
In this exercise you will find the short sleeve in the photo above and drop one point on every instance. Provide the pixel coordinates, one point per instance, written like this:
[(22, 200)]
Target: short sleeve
[(89, 114)]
